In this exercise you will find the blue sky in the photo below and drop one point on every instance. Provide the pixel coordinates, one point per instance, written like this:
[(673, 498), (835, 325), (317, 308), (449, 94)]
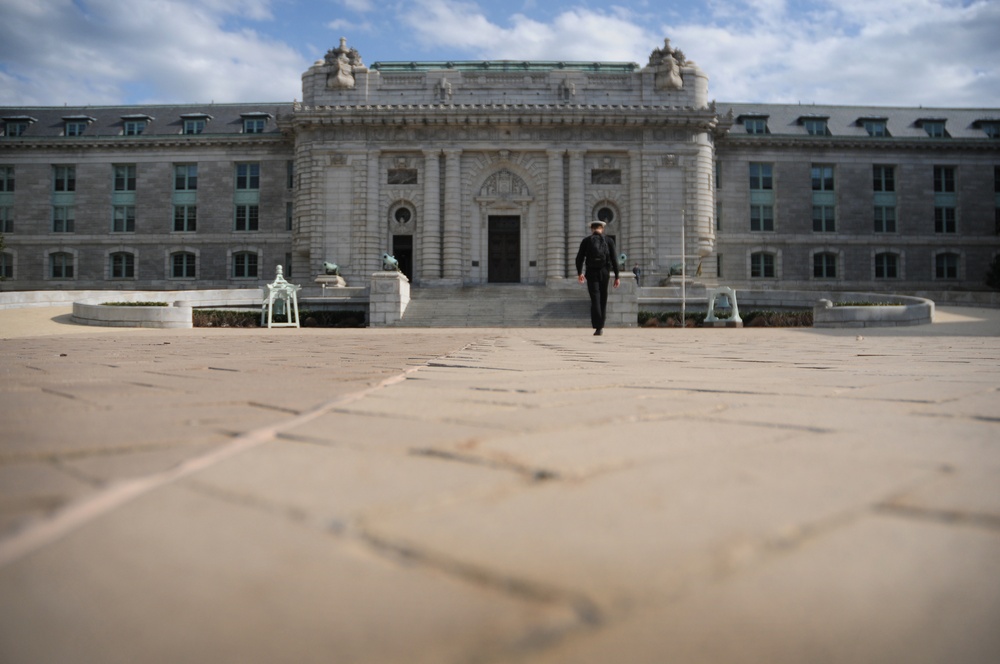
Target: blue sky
[(868, 52)]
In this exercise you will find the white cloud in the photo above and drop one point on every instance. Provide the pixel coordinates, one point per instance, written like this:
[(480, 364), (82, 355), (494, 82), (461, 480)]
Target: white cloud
[(67, 52)]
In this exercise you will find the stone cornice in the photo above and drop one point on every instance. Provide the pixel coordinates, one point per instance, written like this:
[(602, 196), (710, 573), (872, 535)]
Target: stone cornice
[(184, 142), (552, 115), (856, 143)]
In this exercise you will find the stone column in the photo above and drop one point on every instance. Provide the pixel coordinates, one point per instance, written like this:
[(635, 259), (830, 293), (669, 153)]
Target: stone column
[(430, 227), (555, 265), (451, 237), (576, 223)]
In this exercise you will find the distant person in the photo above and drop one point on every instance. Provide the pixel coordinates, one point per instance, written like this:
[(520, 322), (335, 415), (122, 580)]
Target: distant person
[(638, 275), (599, 255)]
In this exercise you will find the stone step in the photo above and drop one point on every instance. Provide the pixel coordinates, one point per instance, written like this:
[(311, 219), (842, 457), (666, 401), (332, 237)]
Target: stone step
[(497, 306)]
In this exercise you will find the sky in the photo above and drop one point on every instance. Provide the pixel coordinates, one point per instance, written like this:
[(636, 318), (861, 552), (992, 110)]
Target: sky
[(932, 53)]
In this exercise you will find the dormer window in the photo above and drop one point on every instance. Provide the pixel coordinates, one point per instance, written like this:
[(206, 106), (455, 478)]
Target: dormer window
[(134, 125), (815, 125), (254, 123), (16, 125), (754, 124), (876, 127), (934, 127), (194, 123), (990, 127)]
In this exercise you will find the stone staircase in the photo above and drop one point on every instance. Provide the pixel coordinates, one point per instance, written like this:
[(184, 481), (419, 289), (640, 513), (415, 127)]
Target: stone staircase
[(497, 305)]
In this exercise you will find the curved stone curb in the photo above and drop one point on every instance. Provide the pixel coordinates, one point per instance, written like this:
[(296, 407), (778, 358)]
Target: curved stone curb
[(905, 311), (166, 317)]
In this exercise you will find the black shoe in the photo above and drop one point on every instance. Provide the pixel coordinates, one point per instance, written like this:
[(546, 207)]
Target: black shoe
[(598, 332)]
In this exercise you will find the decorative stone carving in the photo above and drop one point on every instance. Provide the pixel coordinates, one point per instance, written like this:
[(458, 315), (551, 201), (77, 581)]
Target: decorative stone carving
[(444, 91), (666, 62), (343, 62), (504, 184)]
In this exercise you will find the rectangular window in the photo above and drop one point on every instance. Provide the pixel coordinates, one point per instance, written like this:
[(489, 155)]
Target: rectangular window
[(6, 266), (124, 177), (761, 218), (825, 266), (944, 220), (822, 177), (935, 128), (991, 129), (289, 218), (248, 177), (124, 219), (244, 265), (15, 128), (254, 125), (876, 128), (64, 178), (757, 126), (182, 266), (816, 127), (63, 219), (247, 217), (944, 179), (185, 218), (885, 219), (194, 126), (884, 178), (123, 266), (61, 265), (761, 176), (946, 266), (823, 219), (886, 266), (6, 179), (185, 177), (134, 127), (74, 128), (6, 219), (762, 266)]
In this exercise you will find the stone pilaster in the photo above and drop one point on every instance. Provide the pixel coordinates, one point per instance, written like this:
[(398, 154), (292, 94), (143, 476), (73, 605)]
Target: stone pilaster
[(555, 263), (632, 227), (371, 247), (451, 240), (576, 223), (430, 228)]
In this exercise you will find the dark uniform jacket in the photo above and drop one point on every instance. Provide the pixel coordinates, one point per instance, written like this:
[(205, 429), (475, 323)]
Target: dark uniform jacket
[(598, 252)]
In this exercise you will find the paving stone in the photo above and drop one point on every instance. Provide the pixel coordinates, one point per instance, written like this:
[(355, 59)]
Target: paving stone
[(878, 589), (183, 577)]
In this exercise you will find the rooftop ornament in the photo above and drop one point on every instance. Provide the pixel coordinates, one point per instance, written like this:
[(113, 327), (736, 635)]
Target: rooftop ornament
[(281, 300)]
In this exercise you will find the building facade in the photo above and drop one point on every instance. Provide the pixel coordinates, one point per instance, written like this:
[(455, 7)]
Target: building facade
[(489, 172)]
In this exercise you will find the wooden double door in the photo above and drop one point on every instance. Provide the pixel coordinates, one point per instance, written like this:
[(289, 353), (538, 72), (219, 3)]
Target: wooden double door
[(504, 252)]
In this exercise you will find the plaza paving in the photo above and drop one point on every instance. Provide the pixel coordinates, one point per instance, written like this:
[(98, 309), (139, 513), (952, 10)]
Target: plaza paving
[(537, 496)]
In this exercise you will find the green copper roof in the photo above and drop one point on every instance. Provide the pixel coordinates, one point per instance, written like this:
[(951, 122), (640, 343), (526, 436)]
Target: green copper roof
[(507, 66)]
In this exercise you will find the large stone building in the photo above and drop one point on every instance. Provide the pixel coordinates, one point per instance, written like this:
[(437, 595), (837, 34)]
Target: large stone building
[(488, 172)]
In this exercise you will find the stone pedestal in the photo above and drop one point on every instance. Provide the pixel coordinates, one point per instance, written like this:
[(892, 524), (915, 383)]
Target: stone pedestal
[(388, 298), (330, 281), (623, 302)]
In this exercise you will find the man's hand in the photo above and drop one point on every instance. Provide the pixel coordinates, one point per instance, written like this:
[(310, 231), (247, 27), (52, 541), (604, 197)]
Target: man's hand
[(617, 281), (579, 278)]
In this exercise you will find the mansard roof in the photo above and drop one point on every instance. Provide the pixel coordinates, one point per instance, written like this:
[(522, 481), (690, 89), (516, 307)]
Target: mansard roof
[(163, 120), (847, 121)]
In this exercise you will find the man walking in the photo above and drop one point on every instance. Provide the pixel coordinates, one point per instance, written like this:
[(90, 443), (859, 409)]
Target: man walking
[(599, 255)]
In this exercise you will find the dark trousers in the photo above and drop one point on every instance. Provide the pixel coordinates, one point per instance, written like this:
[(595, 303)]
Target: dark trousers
[(597, 286)]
